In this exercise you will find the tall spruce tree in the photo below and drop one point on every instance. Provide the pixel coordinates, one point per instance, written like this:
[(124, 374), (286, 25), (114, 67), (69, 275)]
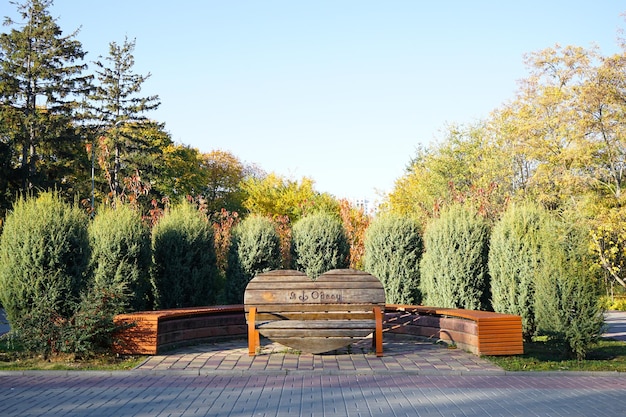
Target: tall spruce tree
[(41, 83), (119, 111)]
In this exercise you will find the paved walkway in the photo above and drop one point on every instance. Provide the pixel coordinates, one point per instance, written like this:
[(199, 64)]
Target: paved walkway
[(403, 355), (414, 378)]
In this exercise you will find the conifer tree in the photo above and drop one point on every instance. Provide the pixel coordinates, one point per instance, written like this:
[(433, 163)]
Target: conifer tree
[(44, 254), (41, 84), (454, 265), (319, 244), (120, 256), (184, 268), (116, 108), (514, 262), (254, 249), (566, 298), (393, 248)]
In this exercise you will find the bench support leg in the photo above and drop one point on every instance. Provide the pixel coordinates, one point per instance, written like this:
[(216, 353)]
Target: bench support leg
[(377, 341), (254, 339)]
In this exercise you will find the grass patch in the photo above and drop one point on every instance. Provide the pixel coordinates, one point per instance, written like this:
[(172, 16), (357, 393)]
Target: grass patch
[(540, 355), (13, 358)]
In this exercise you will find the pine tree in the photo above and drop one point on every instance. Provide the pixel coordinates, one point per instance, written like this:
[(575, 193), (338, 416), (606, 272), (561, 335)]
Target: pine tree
[(41, 83), (117, 109)]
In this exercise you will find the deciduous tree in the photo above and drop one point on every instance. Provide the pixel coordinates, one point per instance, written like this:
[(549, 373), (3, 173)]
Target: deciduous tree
[(224, 174), (274, 196), (469, 166)]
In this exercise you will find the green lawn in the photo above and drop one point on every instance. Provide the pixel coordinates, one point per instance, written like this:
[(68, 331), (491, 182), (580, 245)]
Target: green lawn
[(607, 355), (13, 359)]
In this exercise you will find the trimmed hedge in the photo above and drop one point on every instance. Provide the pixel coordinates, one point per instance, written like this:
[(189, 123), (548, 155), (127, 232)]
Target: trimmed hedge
[(184, 271), (255, 248), (44, 254), (454, 264), (319, 244), (515, 260), (120, 256), (393, 249)]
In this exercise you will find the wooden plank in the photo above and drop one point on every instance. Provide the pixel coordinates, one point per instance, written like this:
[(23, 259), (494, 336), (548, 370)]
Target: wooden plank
[(305, 283), (282, 308), (318, 295), (502, 350), (329, 276), (316, 315), (378, 333), (498, 337), (319, 324), (279, 333)]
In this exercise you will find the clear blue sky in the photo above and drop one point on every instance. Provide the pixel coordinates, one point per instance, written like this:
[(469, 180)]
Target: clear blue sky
[(339, 91)]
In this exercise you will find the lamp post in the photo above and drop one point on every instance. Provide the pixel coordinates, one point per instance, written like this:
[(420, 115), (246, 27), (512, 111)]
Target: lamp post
[(93, 179), (90, 147)]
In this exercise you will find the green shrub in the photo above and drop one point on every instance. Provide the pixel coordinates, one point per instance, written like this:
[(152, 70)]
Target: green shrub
[(255, 248), (44, 253), (120, 256), (319, 244), (514, 261), (184, 271), (88, 331), (454, 265), (91, 329), (567, 305), (393, 248)]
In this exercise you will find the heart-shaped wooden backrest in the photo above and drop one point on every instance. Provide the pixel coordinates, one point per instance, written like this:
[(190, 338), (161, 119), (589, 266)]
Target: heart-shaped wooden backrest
[(315, 315)]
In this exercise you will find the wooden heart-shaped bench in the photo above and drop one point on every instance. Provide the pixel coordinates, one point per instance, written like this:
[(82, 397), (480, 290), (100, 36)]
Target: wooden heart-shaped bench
[(314, 316)]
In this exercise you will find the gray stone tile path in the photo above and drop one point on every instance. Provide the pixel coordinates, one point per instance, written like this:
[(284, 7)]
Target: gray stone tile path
[(414, 378), (145, 394), (403, 354)]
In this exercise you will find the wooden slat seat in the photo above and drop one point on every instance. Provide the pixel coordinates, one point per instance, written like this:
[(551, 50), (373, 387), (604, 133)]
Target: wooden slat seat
[(480, 332), (317, 316)]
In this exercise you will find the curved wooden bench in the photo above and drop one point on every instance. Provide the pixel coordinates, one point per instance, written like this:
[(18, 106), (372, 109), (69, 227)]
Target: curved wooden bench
[(314, 316), (151, 332), (479, 332)]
